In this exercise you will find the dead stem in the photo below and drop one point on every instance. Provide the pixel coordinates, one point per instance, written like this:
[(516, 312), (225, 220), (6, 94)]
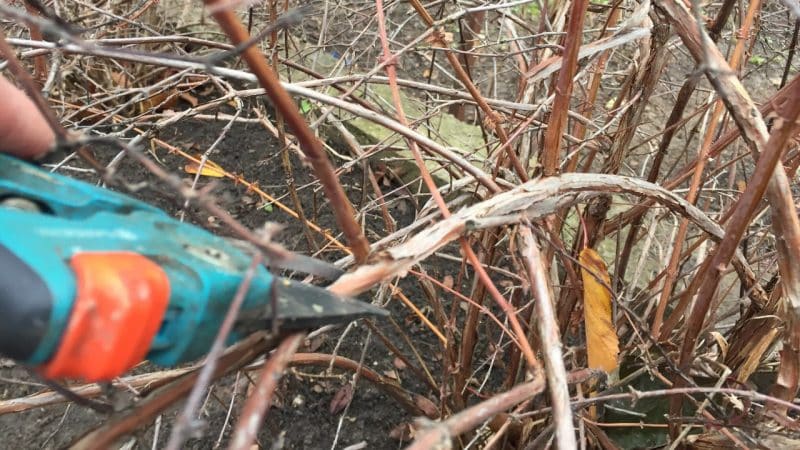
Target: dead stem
[(260, 399), (313, 149), (551, 149), (551, 341), (440, 434)]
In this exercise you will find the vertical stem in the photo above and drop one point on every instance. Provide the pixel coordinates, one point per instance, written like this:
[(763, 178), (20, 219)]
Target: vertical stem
[(551, 342), (551, 150), (39, 62), (702, 158), (491, 116), (260, 400), (311, 146)]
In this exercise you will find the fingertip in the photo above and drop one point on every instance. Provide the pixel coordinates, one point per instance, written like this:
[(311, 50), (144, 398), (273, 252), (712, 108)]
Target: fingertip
[(23, 130)]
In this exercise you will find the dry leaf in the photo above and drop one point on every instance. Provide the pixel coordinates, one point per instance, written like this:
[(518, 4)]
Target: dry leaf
[(448, 281), (341, 399), (427, 406), (210, 169), (120, 79), (403, 432), (189, 98), (602, 343), (159, 101), (399, 363)]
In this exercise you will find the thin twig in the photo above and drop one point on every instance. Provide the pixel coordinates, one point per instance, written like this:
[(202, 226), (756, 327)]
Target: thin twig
[(261, 397), (310, 144), (186, 418)]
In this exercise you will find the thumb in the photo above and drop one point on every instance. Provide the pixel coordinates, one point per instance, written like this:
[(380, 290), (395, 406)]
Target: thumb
[(23, 130)]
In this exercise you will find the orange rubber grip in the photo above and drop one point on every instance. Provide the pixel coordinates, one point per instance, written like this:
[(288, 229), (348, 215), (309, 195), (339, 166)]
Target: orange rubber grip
[(120, 304)]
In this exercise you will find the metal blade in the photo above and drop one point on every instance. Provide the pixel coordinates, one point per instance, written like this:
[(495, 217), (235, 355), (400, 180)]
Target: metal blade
[(287, 260), (308, 265), (304, 306)]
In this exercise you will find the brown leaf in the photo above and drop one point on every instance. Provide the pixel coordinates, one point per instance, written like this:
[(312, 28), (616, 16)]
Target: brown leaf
[(399, 363), (602, 343), (427, 406), (159, 101), (403, 432), (448, 282), (189, 98), (341, 399)]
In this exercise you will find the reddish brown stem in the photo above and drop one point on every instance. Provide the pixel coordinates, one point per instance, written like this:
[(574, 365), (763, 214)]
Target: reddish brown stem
[(311, 146), (551, 150), (261, 398), (767, 149), (697, 176), (587, 109), (491, 116)]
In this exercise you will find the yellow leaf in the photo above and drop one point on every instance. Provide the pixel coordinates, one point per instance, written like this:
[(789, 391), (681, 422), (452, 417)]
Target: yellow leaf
[(210, 169), (602, 343)]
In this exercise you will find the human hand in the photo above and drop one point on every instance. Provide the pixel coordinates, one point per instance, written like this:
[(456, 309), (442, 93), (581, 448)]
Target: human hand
[(23, 130)]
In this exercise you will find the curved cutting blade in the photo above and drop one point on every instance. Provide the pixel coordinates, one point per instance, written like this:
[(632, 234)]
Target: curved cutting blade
[(305, 306)]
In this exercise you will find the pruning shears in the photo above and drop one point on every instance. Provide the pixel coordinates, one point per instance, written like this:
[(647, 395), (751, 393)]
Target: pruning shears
[(93, 281)]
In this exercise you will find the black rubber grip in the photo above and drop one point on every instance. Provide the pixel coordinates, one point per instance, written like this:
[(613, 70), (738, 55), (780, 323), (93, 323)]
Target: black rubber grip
[(25, 305)]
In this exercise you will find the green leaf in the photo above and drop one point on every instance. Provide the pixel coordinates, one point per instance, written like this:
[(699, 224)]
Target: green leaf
[(267, 207), (757, 60), (305, 106)]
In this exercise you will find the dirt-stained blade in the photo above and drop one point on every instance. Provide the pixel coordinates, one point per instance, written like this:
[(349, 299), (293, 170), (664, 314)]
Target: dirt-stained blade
[(304, 306), (308, 265), (282, 259)]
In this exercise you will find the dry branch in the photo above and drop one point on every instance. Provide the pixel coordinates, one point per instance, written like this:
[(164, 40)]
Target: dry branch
[(754, 131), (555, 371), (438, 435), (312, 147), (530, 201)]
